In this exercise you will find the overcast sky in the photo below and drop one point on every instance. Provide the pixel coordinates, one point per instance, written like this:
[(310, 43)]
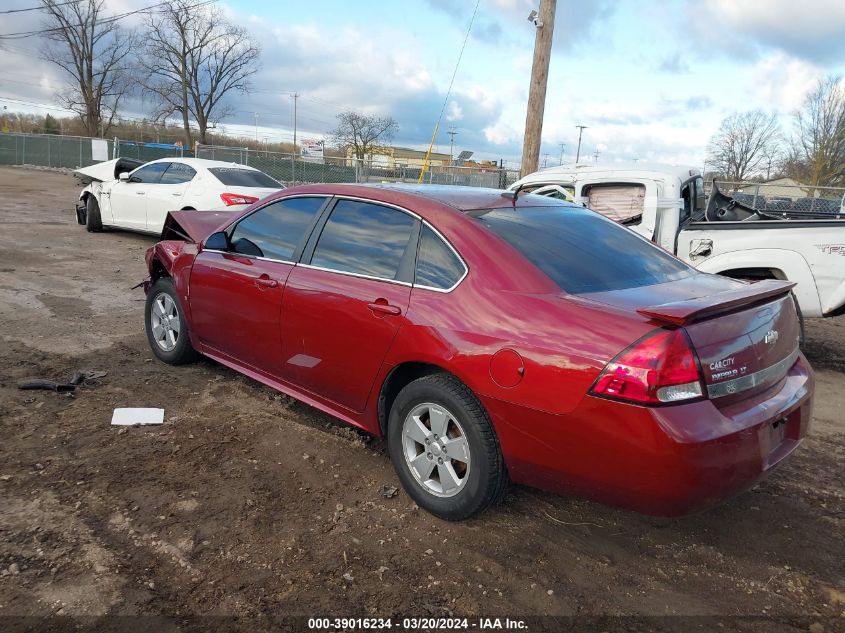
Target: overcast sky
[(651, 78)]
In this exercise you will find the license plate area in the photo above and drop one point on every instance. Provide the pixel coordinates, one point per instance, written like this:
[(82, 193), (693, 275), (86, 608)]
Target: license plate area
[(777, 433)]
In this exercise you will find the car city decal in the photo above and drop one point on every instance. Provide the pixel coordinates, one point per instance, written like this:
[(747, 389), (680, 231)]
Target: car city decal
[(725, 368), (831, 249)]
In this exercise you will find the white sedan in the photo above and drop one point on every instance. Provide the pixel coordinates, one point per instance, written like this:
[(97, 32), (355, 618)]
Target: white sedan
[(121, 193)]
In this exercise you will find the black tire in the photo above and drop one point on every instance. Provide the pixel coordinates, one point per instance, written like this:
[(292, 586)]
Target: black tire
[(486, 478), (93, 222), (182, 352)]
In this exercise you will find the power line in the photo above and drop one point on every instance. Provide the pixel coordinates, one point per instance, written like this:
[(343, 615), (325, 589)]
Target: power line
[(114, 18), (38, 8), (448, 92)]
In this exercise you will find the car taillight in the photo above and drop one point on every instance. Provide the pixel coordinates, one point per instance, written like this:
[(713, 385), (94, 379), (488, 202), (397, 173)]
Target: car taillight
[(230, 199), (658, 369)]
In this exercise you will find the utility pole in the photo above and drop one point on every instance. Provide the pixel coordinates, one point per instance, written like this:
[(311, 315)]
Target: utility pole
[(545, 160), (581, 129), (452, 133), (256, 126), (562, 147), (295, 96), (596, 156), (545, 25)]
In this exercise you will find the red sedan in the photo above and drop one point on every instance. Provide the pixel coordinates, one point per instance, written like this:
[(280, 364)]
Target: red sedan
[(492, 339)]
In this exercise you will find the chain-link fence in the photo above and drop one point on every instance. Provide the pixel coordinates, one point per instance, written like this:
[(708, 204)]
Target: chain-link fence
[(293, 169), (786, 199), (149, 151), (73, 152), (48, 150)]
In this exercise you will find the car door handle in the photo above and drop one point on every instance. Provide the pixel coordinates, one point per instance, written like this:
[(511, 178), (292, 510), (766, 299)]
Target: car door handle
[(384, 308), (140, 193), (266, 282), (178, 193)]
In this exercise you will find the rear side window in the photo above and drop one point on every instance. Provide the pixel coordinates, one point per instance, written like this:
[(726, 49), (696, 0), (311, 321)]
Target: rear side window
[(617, 202), (437, 265), (238, 177), (177, 174), (149, 173), (275, 231), (581, 251), (365, 239)]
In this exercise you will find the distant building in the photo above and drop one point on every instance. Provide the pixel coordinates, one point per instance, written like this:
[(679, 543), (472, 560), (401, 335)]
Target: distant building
[(397, 157), (778, 187)]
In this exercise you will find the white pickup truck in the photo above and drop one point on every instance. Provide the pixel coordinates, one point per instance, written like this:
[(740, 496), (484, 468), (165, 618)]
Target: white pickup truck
[(800, 239)]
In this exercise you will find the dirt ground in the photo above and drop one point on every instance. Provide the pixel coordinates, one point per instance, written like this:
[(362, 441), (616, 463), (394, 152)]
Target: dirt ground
[(246, 503)]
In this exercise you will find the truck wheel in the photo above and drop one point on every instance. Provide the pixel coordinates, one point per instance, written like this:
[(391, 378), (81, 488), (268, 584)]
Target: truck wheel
[(444, 449), (93, 223)]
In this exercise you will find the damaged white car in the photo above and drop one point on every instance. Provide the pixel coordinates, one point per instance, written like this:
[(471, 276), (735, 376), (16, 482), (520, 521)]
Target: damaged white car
[(129, 194)]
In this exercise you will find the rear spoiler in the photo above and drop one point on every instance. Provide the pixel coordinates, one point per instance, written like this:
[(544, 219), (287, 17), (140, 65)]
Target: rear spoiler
[(689, 310)]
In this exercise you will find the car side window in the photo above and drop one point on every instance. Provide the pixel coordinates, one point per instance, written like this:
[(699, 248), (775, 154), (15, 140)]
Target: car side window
[(149, 173), (276, 230), (365, 239), (437, 264), (178, 173)]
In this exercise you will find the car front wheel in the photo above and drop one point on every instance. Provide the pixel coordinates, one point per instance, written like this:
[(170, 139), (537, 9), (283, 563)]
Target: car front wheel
[(444, 449), (167, 328), (93, 222)]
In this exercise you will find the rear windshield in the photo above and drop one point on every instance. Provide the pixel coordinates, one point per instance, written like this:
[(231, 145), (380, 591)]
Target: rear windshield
[(581, 251), (236, 177)]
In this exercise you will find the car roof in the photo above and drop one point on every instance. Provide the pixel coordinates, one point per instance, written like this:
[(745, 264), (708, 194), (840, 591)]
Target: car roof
[(567, 172), (201, 162), (458, 197)]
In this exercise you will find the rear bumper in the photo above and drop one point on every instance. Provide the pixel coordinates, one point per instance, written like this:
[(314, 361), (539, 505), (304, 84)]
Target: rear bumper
[(666, 461)]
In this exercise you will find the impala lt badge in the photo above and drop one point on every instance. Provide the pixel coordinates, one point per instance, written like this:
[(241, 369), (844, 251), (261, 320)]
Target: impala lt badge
[(771, 337)]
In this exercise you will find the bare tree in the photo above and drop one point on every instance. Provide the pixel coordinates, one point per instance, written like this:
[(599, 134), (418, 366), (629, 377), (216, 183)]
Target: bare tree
[(362, 134), (94, 52), (743, 144), (194, 58), (817, 155)]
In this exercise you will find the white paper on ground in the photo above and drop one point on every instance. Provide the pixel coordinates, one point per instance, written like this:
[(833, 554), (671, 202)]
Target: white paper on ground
[(136, 416)]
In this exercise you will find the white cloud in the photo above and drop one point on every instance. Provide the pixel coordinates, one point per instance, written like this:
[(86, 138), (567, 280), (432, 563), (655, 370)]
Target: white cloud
[(781, 81), (454, 111), (812, 29)]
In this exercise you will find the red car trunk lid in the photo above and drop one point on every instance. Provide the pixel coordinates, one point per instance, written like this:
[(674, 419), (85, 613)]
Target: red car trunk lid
[(745, 335), (748, 351)]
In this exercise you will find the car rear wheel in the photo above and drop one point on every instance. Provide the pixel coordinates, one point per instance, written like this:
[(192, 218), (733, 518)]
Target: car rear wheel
[(93, 222), (444, 449), (167, 328)]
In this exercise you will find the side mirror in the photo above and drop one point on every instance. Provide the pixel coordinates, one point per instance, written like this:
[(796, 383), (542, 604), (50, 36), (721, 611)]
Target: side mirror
[(123, 177), (217, 242)]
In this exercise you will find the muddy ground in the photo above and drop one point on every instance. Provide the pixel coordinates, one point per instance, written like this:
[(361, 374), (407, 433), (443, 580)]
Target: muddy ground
[(246, 503)]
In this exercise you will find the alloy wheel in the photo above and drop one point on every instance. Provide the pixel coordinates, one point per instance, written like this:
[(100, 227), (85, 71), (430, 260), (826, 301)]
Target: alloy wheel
[(436, 449), (164, 321)]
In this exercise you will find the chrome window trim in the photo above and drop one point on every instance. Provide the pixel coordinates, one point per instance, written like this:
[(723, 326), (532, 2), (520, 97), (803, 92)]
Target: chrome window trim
[(359, 275), (348, 273), (340, 198), (325, 196), (451, 248), (743, 383), (263, 259), (230, 228)]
